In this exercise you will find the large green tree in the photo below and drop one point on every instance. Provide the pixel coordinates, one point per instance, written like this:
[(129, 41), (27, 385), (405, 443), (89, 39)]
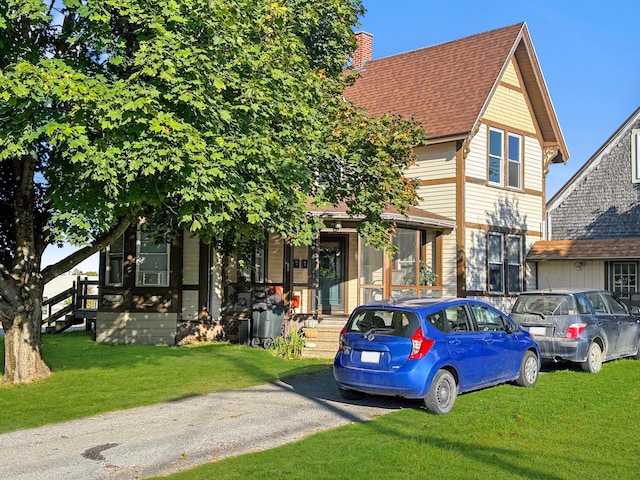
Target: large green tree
[(220, 116)]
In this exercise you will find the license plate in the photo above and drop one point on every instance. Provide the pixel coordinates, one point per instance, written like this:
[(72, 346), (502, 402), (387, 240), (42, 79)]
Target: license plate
[(370, 357), (538, 331)]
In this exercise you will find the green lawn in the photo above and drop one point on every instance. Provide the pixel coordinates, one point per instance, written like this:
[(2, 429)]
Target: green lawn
[(90, 378), (571, 425)]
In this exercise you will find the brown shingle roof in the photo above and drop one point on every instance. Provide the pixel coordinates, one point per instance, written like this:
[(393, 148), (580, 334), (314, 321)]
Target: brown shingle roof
[(415, 215), (619, 248), (446, 87)]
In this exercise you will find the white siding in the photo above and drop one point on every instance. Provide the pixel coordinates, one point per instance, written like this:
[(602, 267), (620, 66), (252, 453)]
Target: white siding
[(136, 328), (563, 274), (476, 259), (190, 259), (190, 304)]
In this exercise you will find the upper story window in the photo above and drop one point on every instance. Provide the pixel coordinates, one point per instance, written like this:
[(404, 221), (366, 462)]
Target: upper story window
[(496, 155), (511, 163), (152, 261), (115, 262), (514, 160)]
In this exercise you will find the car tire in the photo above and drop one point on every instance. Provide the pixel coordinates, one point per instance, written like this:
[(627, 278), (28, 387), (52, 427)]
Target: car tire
[(593, 363), (529, 369), (349, 394), (637, 355), (442, 393)]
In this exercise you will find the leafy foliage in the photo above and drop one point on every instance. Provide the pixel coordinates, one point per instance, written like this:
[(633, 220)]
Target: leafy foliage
[(221, 117)]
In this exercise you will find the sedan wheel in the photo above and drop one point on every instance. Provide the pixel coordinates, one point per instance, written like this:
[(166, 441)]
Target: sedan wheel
[(528, 370), (442, 393), (593, 363)]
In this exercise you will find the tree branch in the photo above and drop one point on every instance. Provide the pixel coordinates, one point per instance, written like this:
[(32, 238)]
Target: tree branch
[(66, 264)]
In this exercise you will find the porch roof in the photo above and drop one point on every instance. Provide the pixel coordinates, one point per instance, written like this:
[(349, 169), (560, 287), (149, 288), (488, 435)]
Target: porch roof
[(414, 216), (605, 249)]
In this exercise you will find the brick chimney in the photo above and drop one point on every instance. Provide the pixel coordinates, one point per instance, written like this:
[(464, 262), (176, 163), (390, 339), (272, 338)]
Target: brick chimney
[(364, 50)]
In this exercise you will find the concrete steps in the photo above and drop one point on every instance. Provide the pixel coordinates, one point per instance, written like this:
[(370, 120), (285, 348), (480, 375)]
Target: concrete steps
[(325, 343)]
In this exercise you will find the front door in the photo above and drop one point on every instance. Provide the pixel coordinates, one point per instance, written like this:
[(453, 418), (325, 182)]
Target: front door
[(332, 274)]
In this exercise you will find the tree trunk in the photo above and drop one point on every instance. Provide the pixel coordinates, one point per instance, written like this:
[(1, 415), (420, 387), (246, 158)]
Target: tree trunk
[(23, 361)]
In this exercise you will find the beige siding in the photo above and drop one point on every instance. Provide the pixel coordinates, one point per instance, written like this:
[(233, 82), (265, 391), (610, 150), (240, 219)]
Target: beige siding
[(509, 107), (440, 199), (533, 168), (275, 257), (498, 207), (476, 161), (301, 275), (510, 77), (190, 305), (352, 272), (190, 260), (433, 162), (449, 285), (136, 328), (562, 274)]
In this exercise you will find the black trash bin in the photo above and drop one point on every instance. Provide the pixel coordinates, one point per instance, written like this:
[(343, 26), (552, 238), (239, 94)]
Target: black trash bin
[(266, 324)]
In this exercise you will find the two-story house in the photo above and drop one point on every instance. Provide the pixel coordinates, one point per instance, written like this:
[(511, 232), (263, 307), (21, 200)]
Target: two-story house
[(492, 134)]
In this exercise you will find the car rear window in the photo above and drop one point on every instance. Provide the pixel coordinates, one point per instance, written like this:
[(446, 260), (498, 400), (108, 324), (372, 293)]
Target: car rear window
[(389, 322), (545, 304)]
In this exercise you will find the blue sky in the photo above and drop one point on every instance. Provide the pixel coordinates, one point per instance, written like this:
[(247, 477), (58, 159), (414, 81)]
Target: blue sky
[(587, 50)]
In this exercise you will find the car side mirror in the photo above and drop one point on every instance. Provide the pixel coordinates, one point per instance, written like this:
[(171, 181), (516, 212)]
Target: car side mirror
[(512, 327), (635, 310)]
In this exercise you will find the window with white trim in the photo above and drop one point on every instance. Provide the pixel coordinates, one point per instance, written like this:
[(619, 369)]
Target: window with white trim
[(504, 260), (501, 164), (625, 278), (115, 262), (514, 160), (495, 257), (152, 261), (496, 155), (514, 269)]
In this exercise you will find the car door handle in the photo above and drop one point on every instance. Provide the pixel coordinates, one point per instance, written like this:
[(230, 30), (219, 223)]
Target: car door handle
[(454, 342), (488, 340)]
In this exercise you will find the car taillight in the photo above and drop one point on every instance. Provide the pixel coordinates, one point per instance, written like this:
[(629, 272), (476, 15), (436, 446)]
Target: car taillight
[(341, 340), (420, 345), (574, 330)]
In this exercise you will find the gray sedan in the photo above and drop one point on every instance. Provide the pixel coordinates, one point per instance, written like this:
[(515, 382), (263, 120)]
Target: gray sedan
[(584, 326)]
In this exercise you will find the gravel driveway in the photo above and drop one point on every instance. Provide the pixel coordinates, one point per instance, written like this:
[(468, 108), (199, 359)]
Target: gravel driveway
[(169, 437)]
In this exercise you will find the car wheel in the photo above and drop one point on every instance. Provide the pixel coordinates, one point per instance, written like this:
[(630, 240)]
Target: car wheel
[(528, 370), (350, 394), (442, 393), (593, 363)]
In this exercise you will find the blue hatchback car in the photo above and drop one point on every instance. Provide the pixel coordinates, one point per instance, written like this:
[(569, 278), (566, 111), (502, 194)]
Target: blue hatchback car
[(432, 349)]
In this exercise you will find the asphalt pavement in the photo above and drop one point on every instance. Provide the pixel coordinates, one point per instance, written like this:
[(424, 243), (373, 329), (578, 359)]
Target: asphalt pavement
[(169, 437)]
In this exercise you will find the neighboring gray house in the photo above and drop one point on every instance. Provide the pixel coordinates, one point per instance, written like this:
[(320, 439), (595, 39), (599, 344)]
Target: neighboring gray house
[(593, 222)]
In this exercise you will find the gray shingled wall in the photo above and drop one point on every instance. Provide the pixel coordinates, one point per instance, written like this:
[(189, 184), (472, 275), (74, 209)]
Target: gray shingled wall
[(605, 203)]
